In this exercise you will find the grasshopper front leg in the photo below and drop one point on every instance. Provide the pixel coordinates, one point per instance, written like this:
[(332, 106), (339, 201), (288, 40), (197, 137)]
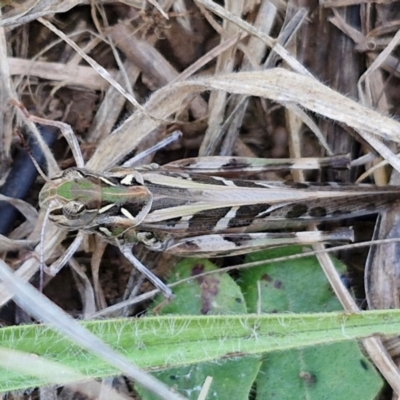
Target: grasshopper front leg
[(126, 250)]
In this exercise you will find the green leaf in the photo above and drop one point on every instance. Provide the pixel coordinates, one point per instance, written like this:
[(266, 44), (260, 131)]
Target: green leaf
[(332, 372), (293, 285), (211, 294), (336, 371), (231, 379), (165, 341)]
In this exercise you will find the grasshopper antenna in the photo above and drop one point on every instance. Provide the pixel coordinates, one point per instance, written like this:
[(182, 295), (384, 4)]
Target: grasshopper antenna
[(33, 159), (65, 129)]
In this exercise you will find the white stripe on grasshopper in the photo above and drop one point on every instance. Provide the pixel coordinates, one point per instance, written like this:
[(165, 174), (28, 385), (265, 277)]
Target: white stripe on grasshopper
[(128, 179), (223, 222), (272, 208), (226, 182), (106, 208), (127, 214), (105, 180)]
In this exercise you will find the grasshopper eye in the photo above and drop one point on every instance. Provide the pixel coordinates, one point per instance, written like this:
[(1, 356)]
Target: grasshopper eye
[(73, 209)]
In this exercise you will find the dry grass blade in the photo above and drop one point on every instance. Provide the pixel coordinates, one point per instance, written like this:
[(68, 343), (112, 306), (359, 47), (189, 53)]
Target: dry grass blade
[(158, 7), (68, 74), (151, 62), (54, 237), (111, 107), (35, 9), (217, 102), (98, 68), (221, 12), (265, 20), (6, 93), (276, 84), (7, 244)]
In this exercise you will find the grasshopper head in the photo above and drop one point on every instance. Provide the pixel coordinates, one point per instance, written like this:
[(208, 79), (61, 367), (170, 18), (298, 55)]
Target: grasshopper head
[(73, 197), (82, 199)]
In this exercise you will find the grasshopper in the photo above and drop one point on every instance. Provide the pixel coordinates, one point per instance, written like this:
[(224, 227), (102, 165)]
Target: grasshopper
[(191, 208)]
